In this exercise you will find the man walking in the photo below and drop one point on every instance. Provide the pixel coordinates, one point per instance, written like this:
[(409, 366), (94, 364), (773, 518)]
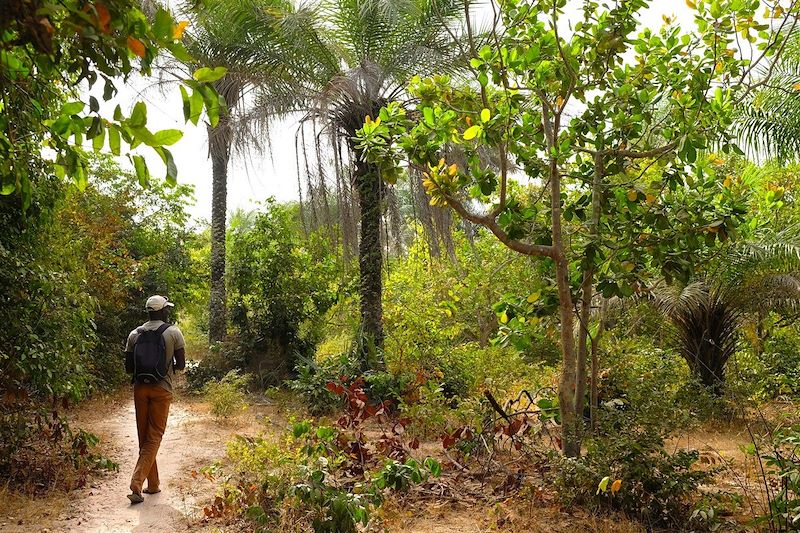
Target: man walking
[(153, 352)]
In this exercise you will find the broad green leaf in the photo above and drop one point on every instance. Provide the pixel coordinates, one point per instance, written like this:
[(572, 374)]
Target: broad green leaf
[(99, 140), (485, 115), (195, 106), (138, 116), (113, 140), (472, 132), (168, 137), (162, 26), (208, 75), (211, 100), (427, 114), (72, 108), (169, 162), (142, 171), (80, 176)]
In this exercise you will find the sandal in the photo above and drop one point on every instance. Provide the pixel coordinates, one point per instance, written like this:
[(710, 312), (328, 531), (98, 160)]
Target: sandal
[(135, 497), (148, 490)]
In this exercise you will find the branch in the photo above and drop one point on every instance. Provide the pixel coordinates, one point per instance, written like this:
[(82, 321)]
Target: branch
[(489, 222)]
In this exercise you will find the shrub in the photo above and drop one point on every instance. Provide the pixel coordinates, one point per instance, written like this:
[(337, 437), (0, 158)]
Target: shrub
[(227, 396), (220, 359), (328, 479), (39, 451), (654, 486)]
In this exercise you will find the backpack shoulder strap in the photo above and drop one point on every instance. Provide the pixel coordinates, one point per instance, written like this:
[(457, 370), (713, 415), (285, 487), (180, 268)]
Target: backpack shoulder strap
[(163, 327)]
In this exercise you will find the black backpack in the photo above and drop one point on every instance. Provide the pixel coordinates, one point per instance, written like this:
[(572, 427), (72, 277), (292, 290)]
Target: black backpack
[(150, 356)]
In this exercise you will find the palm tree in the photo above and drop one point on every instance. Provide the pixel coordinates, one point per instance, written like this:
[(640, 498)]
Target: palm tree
[(751, 279), (213, 41), (347, 62), (768, 122)]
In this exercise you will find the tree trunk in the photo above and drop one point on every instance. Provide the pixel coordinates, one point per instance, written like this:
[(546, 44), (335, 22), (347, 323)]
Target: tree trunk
[(570, 422), (587, 288), (596, 364), (219, 149), (370, 261)]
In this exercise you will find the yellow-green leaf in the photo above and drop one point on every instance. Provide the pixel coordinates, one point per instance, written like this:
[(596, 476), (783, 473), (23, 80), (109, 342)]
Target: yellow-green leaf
[(472, 132), (485, 115)]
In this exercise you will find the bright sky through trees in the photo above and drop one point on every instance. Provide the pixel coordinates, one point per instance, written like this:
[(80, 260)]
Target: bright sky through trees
[(272, 173)]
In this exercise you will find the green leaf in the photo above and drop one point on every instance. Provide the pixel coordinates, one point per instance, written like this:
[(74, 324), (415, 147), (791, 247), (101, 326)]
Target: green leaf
[(72, 108), (142, 171), (99, 140), (472, 132), (208, 75), (486, 115), (427, 114), (195, 106), (162, 26), (211, 100), (172, 169), (80, 176), (113, 140), (138, 117), (168, 137), (187, 108)]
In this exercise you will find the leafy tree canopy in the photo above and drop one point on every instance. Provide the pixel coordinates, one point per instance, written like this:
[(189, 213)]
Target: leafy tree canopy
[(50, 49)]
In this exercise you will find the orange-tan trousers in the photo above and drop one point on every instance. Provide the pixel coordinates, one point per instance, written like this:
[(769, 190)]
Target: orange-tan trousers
[(152, 409)]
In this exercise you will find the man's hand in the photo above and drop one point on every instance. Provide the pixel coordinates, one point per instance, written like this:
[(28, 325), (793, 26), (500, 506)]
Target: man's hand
[(179, 359)]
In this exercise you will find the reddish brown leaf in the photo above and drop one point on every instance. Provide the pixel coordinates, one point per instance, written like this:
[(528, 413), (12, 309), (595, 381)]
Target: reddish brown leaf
[(136, 46)]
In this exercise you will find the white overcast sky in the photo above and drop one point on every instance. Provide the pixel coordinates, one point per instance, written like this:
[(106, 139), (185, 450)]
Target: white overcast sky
[(274, 172)]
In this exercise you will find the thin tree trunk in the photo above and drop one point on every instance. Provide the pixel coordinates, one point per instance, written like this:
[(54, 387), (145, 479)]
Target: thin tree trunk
[(219, 148), (570, 433), (593, 409), (587, 286), (370, 259)]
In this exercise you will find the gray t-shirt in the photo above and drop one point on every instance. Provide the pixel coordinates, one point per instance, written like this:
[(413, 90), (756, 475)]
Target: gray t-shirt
[(173, 339)]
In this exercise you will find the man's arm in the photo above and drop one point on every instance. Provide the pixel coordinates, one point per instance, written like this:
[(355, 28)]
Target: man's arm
[(179, 354), (180, 359), (129, 344), (129, 362)]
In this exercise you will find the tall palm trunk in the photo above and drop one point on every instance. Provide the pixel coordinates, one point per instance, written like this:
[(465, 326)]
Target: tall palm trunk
[(370, 259), (219, 140)]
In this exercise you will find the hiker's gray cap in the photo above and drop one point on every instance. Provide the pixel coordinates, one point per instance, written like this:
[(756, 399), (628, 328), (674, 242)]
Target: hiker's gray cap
[(157, 303)]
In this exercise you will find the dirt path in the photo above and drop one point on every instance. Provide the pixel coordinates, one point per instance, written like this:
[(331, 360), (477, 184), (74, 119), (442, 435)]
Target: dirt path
[(193, 439)]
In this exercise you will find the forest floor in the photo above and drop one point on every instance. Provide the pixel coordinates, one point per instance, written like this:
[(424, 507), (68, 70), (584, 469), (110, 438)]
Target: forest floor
[(194, 439)]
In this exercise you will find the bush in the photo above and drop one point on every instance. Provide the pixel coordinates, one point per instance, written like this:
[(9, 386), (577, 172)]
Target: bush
[(39, 451), (631, 472), (313, 377), (281, 284), (220, 359), (227, 396), (328, 479)]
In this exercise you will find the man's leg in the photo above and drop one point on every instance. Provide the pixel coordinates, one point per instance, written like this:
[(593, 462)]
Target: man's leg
[(158, 411), (142, 422), (141, 403)]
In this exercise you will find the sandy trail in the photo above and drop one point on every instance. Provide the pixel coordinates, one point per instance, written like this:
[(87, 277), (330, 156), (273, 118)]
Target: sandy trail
[(193, 439)]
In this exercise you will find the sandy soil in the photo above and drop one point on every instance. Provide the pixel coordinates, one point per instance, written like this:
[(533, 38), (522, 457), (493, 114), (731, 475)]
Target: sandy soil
[(193, 439)]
